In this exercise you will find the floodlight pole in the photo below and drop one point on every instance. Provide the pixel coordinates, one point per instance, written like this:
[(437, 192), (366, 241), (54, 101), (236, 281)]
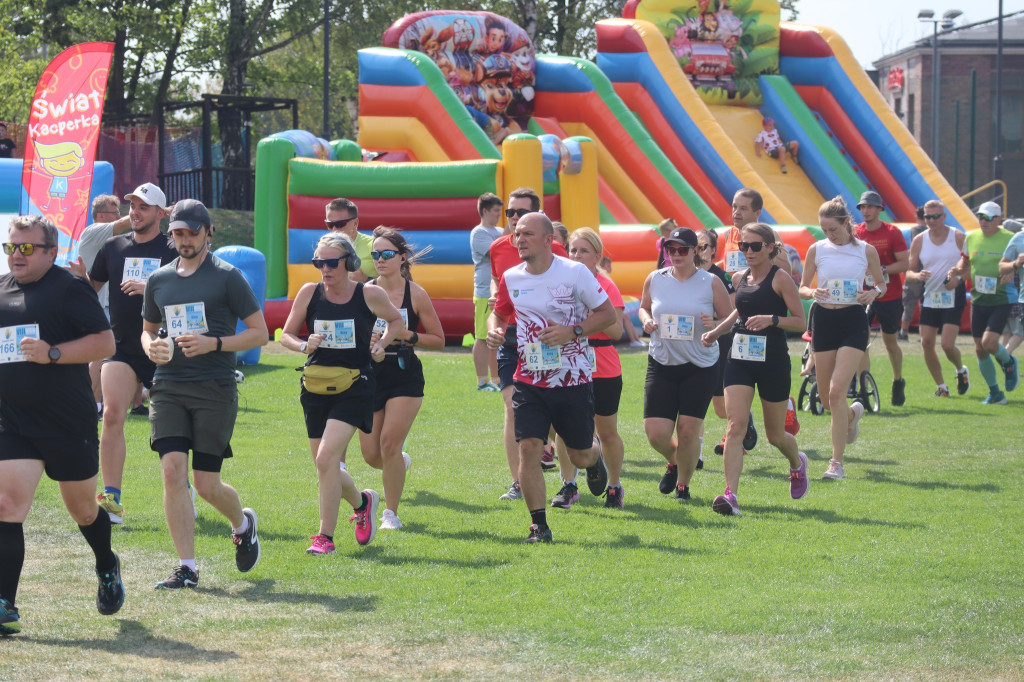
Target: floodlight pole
[(327, 69), (997, 159)]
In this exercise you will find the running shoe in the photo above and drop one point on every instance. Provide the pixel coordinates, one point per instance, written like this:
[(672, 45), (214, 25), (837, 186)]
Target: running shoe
[(720, 448), (487, 387), (682, 492), (247, 545), (792, 426), (109, 504), (183, 577), (564, 498), (1012, 371), (390, 521), (365, 522), (406, 460), (853, 428), (547, 460), (637, 344), (902, 335), (941, 392), (321, 546), (538, 534), (613, 496), (963, 381), (140, 411), (10, 621), (668, 479), (899, 392), (514, 492), (700, 462), (726, 504), (192, 493), (798, 478), (110, 595), (994, 397), (834, 471), (597, 476), (750, 439)]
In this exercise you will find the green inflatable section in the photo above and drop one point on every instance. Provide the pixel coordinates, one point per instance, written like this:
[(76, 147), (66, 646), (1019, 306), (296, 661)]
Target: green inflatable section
[(271, 210), (381, 181), (347, 150)]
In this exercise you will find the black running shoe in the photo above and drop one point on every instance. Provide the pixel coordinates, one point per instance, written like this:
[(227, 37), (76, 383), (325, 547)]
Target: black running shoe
[(682, 492), (668, 479), (247, 545), (538, 534), (183, 577), (613, 497), (899, 395), (700, 463), (566, 496), (597, 476), (750, 440), (10, 621), (110, 596), (963, 382), (140, 411)]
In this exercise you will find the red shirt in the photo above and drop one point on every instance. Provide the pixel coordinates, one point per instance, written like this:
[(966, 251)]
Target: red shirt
[(888, 241), (505, 255), (607, 363)]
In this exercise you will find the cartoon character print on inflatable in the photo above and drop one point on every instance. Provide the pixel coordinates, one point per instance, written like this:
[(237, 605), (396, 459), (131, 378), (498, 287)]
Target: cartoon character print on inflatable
[(488, 61)]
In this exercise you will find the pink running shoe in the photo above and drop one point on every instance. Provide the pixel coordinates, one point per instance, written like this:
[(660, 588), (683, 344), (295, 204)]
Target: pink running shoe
[(547, 459), (321, 546), (366, 520), (726, 504), (798, 478)]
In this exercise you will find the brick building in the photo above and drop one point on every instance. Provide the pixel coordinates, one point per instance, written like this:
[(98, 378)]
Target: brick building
[(906, 77)]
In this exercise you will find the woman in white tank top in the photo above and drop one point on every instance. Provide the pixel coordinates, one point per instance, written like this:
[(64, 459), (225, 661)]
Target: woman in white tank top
[(839, 326)]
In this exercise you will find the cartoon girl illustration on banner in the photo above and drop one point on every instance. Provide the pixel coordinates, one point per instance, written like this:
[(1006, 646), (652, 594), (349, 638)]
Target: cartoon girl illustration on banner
[(61, 161)]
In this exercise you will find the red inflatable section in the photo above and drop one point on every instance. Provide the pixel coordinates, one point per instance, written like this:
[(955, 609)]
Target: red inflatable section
[(420, 103), (307, 212), (802, 41), (620, 38), (456, 313), (629, 243), (629, 11)]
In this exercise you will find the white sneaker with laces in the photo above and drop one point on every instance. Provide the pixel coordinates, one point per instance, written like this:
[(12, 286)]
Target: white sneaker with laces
[(407, 459), (390, 521), (834, 471), (853, 428)]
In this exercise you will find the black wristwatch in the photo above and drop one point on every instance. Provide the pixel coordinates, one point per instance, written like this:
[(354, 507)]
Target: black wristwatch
[(577, 331), (775, 320), (414, 339), (53, 354)]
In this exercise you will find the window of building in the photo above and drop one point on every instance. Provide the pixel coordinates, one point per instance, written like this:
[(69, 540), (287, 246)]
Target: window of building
[(1012, 123), (897, 106), (910, 114)]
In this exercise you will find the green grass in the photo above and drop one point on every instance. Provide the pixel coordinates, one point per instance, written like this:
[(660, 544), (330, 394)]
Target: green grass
[(908, 569)]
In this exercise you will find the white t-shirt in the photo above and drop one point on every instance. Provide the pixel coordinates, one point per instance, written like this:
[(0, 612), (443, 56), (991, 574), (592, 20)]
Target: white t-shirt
[(565, 294), (768, 140)]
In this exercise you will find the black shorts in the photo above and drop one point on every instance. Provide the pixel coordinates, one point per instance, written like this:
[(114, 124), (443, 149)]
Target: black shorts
[(569, 409), (833, 328), (607, 391), (394, 382), (64, 459), (939, 317), (201, 461), (673, 390), (354, 406), (140, 364), (888, 314), (989, 318), (773, 377), (508, 356), (724, 348)]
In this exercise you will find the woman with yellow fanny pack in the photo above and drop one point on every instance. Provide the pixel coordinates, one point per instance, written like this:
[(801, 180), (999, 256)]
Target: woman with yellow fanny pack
[(337, 379)]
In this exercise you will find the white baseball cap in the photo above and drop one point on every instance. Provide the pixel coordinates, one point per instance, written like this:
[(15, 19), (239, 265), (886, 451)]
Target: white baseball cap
[(990, 208), (148, 193)]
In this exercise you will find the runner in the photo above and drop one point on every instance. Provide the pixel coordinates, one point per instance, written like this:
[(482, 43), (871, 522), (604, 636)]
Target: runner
[(839, 327), (338, 382), (398, 394), (679, 303), (767, 306), (1010, 266), (488, 206)]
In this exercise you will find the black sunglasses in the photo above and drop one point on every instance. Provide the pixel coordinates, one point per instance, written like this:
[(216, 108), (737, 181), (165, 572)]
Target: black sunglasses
[(330, 263), (751, 246), (509, 212), (933, 216), (27, 248), (678, 250), (386, 254), (339, 223)]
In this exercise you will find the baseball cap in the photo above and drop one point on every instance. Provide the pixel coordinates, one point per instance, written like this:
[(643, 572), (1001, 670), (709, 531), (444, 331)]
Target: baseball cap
[(683, 235), (148, 193), (991, 209), (766, 120), (870, 198), (189, 214)]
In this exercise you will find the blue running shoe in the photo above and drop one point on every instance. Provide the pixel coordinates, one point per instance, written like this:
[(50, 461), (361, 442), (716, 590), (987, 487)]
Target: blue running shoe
[(10, 623), (1012, 371), (994, 397)]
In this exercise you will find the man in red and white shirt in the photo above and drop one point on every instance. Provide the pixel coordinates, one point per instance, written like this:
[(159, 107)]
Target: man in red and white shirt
[(556, 303)]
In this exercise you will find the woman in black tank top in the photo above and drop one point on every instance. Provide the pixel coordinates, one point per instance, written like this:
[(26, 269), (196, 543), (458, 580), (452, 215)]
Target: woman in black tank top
[(399, 375), (767, 305), (340, 314)]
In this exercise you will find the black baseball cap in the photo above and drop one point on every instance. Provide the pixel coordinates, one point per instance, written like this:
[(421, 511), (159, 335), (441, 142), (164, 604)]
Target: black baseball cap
[(189, 214), (683, 235)]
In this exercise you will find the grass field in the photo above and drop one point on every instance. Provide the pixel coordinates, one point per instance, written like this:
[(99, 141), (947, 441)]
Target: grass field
[(908, 569)]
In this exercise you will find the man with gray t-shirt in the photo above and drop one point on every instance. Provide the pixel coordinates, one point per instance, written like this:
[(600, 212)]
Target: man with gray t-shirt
[(489, 206)]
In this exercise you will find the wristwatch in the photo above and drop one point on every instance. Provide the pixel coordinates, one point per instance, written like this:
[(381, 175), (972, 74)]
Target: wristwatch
[(877, 290), (775, 320), (302, 347), (54, 354), (577, 331)]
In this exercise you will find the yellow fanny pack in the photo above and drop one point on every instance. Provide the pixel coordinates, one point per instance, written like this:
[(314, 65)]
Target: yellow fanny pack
[(328, 380)]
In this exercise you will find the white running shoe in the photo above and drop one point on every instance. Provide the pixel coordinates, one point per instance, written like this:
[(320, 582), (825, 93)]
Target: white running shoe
[(407, 459), (192, 492), (390, 521), (853, 428)]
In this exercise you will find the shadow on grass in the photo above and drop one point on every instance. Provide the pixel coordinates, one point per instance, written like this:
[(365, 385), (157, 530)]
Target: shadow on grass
[(882, 477), (212, 524), (137, 639), (429, 499), (826, 516), (262, 592)]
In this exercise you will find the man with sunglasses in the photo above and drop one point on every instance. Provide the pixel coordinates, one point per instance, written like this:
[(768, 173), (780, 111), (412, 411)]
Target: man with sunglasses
[(481, 237), (51, 327), (343, 218)]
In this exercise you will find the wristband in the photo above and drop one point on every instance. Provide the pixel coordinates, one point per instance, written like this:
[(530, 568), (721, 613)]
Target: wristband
[(414, 339), (219, 344), (775, 320)]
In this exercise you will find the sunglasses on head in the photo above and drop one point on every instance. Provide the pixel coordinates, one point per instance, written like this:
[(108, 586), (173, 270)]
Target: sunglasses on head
[(339, 223), (677, 250), (27, 249), (329, 263), (509, 212), (750, 246), (933, 216), (386, 254)]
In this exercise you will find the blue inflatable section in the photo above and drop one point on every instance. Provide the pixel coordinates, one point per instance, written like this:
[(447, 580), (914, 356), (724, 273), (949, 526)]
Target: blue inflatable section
[(826, 72), (253, 265), (450, 247), (385, 66)]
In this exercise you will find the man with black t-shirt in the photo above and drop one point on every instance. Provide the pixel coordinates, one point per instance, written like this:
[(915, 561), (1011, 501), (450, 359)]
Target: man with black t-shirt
[(126, 262), (7, 145), (51, 327)]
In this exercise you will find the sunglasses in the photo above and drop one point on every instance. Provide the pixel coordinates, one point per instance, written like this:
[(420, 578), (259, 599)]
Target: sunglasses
[(387, 254), (984, 216), (750, 246), (329, 263), (339, 223), (933, 216), (677, 250), (27, 249), (509, 212), (704, 248)]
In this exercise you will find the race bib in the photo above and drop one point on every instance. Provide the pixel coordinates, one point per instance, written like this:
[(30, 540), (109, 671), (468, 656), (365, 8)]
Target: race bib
[(591, 357), (676, 327), (10, 341), (340, 334), (139, 269), (735, 261), (186, 318), (539, 357), (985, 285), (842, 290), (943, 298), (749, 347), (380, 325), (869, 281)]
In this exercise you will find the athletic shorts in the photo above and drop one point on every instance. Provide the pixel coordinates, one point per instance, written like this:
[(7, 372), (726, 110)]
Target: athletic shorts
[(354, 406), (569, 409), (773, 377), (203, 412), (140, 364), (508, 357), (63, 458), (724, 348), (773, 153), (833, 328), (1015, 324), (201, 461), (480, 314), (888, 314), (607, 391), (989, 318), (939, 317), (394, 382), (674, 390)]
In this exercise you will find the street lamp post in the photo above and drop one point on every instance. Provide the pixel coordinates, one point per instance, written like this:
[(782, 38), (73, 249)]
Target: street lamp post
[(928, 16), (997, 158)]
